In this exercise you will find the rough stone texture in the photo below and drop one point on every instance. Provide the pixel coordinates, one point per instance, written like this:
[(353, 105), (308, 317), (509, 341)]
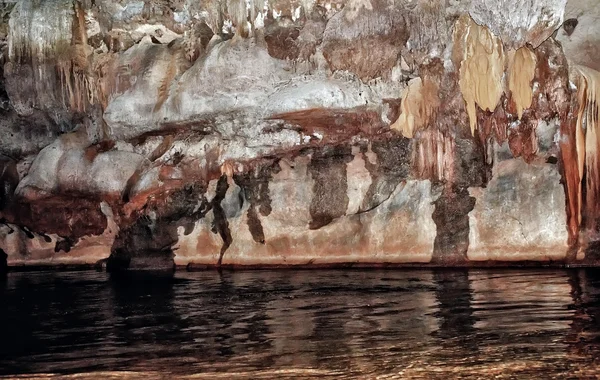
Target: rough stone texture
[(399, 230), (210, 133), (352, 38), (517, 23), (71, 165), (453, 226), (529, 210), (580, 33)]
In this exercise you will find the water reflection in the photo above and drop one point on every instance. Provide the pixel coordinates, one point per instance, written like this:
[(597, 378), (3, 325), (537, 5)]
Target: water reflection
[(143, 319), (584, 337), (392, 324), (455, 314)]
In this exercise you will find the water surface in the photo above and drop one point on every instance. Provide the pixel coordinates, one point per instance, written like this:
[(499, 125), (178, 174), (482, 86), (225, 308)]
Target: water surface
[(290, 324)]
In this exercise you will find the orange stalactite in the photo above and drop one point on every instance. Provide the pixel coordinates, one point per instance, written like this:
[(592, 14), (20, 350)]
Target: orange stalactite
[(579, 146), (588, 144), (570, 173)]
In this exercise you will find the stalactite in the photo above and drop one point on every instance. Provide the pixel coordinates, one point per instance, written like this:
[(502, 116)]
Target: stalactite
[(579, 146), (236, 10), (39, 36), (570, 170), (521, 72), (420, 102), (588, 144), (77, 63), (434, 155), (227, 169), (107, 78), (242, 14), (480, 56), (492, 126)]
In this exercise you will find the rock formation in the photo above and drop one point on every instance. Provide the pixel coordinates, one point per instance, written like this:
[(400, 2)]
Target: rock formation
[(284, 132)]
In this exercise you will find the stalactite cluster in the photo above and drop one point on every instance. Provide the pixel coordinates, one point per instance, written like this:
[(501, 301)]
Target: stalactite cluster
[(54, 47), (34, 37), (434, 155)]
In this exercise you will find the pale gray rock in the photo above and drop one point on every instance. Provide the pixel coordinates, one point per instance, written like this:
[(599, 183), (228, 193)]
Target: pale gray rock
[(520, 215), (63, 166), (580, 33), (519, 22)]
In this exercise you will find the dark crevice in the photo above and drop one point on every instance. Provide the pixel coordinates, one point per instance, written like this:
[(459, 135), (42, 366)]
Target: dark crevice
[(387, 196), (3, 262), (27, 232), (147, 242), (570, 25), (220, 224), (255, 226), (64, 245), (330, 189), (9, 179), (5, 222), (255, 185)]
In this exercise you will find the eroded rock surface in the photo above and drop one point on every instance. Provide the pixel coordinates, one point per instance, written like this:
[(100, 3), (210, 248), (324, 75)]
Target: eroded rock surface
[(367, 132)]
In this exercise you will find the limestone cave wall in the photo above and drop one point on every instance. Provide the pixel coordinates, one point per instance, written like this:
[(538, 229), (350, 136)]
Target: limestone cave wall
[(291, 132)]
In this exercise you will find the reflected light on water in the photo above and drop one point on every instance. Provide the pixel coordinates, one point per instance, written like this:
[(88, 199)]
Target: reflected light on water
[(290, 324)]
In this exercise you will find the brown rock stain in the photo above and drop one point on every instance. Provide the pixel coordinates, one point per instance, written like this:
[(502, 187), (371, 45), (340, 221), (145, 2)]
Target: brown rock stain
[(522, 139), (336, 125)]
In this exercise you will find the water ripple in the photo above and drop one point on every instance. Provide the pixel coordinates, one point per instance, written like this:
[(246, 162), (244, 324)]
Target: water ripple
[(302, 324)]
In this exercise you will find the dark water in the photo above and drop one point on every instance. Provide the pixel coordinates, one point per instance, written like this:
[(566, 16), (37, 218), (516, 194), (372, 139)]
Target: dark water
[(290, 324)]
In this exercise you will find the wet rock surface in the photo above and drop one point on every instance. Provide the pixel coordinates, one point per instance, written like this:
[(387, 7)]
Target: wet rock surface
[(159, 133)]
